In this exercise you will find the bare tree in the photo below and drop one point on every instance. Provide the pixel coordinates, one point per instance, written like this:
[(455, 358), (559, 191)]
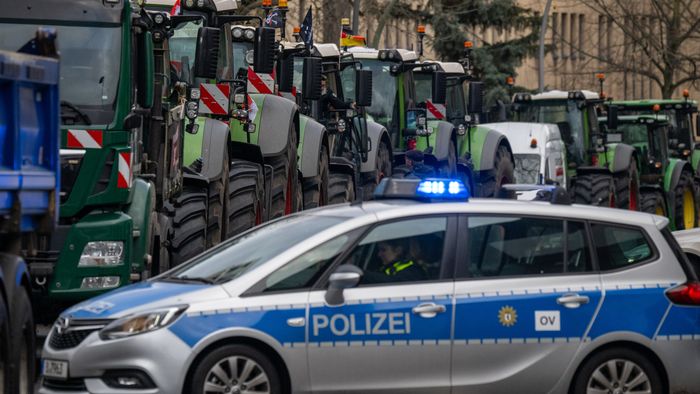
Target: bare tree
[(657, 39)]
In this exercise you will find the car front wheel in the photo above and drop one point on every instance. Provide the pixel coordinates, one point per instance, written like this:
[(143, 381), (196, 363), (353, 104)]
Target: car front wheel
[(235, 369)]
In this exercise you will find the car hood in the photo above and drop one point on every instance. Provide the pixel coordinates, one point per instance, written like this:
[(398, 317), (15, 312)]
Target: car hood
[(143, 296)]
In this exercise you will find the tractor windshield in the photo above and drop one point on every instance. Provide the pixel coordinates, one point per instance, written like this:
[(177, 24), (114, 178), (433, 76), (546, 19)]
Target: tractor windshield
[(649, 141), (566, 115), (424, 87), (240, 64), (680, 130), (183, 47), (90, 64), (384, 103)]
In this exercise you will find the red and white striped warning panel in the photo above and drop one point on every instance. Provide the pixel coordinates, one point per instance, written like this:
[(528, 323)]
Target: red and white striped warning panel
[(84, 139), (124, 176), (252, 109), (260, 83), (214, 98), (435, 111)]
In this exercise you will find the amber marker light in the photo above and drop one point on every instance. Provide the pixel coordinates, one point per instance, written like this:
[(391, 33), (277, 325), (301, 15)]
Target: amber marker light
[(282, 3), (468, 44), (600, 76), (686, 93), (656, 108), (297, 29), (267, 3), (421, 29)]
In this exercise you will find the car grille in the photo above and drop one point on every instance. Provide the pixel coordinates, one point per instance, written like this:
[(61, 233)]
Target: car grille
[(75, 332), (72, 384)]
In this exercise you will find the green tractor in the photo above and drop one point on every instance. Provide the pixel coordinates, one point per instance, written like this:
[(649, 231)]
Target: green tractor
[(666, 186), (258, 145), (355, 168), (599, 173), (469, 152), (129, 208)]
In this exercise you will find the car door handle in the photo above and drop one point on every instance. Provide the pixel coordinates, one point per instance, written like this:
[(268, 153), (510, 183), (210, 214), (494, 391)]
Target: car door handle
[(572, 301), (429, 310)]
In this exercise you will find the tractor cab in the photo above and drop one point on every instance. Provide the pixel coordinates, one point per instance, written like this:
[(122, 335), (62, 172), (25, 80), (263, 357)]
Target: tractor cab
[(648, 135)]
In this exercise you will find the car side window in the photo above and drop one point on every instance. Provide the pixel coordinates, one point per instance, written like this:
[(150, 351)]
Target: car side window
[(517, 246), (305, 270), (401, 251), (618, 247)]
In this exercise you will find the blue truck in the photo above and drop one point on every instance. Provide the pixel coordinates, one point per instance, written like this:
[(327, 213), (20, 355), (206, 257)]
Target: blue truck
[(29, 179)]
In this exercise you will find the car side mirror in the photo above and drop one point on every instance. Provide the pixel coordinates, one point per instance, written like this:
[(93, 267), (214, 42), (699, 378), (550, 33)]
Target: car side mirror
[(264, 62), (311, 83), (286, 74), (475, 104), (611, 123), (344, 277), (363, 87), (207, 52), (439, 88)]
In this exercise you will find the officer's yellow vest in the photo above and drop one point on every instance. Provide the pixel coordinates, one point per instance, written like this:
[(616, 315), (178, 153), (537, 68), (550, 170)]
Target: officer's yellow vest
[(397, 267)]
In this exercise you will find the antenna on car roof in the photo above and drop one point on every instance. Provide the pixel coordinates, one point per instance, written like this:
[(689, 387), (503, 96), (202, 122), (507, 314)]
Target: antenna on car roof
[(554, 194)]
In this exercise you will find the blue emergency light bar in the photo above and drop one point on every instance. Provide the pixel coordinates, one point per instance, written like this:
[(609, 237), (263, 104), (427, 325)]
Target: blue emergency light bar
[(438, 189)]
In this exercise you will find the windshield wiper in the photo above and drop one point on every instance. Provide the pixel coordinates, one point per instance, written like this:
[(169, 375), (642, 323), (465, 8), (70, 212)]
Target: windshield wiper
[(188, 279), (78, 112)]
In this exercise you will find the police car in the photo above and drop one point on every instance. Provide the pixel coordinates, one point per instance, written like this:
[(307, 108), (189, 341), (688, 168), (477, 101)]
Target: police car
[(411, 293)]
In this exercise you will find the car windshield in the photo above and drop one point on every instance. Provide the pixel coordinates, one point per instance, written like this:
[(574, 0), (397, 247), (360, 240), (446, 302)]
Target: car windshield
[(384, 91), (566, 115), (239, 255), (90, 60), (527, 169)]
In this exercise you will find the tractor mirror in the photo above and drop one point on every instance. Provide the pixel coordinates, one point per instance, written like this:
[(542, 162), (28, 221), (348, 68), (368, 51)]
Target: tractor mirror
[(439, 87), (611, 122), (146, 71), (311, 88), (363, 87), (286, 81), (264, 62), (207, 52), (697, 126), (476, 98)]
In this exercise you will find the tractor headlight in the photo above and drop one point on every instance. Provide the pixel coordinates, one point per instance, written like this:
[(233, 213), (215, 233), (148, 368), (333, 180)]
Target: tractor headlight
[(102, 254), (421, 121), (158, 19), (141, 323), (341, 126), (249, 34), (195, 94), (461, 130), (237, 33), (191, 110)]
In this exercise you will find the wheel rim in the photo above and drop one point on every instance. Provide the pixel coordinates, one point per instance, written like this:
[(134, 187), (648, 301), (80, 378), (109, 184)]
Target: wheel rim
[(660, 209), (618, 376), (236, 375), (688, 209)]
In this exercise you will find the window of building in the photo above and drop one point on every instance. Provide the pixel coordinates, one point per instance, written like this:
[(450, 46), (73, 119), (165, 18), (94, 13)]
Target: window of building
[(555, 36), (573, 37), (563, 39), (581, 33)]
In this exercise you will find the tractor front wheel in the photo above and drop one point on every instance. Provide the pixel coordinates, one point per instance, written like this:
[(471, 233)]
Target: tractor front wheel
[(685, 215), (653, 202), (627, 188)]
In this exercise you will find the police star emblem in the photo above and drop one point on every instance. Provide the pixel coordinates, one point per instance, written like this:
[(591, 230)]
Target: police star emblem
[(507, 316)]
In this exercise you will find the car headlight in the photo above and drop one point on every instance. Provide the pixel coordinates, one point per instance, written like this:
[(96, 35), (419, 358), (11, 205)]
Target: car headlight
[(141, 323), (102, 254)]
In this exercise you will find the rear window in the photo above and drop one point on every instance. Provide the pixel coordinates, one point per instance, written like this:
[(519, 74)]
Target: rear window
[(619, 247), (690, 263)]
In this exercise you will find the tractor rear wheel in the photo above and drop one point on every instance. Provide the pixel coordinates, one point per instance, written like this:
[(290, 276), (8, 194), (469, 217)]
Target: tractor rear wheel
[(216, 208), (188, 213), (684, 214), (315, 188), (502, 174), (627, 188), (341, 189), (244, 205), (594, 189), (653, 202), (284, 179), (384, 169)]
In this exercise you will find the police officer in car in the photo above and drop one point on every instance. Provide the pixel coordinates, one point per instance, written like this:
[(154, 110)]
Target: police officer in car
[(397, 265), (415, 166)]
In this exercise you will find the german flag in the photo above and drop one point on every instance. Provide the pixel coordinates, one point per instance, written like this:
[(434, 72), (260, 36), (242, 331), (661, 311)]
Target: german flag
[(349, 40)]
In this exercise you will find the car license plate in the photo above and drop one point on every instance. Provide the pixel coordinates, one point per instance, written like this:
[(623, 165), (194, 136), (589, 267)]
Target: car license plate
[(56, 369)]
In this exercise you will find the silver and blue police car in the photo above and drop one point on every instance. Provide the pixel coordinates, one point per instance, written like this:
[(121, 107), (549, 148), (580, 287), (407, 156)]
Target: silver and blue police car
[(411, 293)]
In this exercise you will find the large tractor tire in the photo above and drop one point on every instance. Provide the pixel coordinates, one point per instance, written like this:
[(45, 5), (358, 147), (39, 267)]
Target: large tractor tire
[(216, 207), (188, 232), (315, 188), (594, 189), (284, 179), (449, 168), (684, 212), (341, 189), (22, 355), (502, 174), (4, 347), (245, 199), (653, 202), (384, 169), (627, 188)]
